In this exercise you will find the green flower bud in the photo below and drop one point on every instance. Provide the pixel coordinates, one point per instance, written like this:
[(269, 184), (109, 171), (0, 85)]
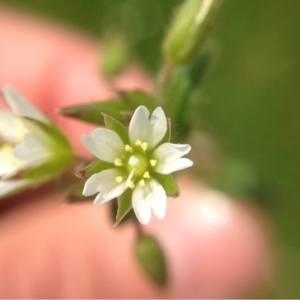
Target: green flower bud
[(189, 29)]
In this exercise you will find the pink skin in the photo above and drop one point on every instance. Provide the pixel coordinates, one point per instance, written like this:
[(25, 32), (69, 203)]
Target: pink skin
[(216, 247)]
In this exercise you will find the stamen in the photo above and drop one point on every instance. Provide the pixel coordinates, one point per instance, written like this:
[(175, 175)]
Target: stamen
[(153, 162), (138, 142), (118, 162), (119, 179), (144, 146), (128, 148), (142, 183), (146, 175), (131, 185)]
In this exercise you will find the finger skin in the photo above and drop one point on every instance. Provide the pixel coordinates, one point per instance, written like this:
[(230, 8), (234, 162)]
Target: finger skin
[(215, 247)]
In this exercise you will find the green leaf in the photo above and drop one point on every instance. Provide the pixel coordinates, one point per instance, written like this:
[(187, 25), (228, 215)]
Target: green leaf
[(48, 169), (93, 168), (151, 259), (124, 205), (116, 126), (168, 183), (92, 113), (181, 91)]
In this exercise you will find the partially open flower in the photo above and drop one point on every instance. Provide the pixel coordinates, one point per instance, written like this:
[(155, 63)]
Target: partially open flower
[(28, 140), (139, 160)]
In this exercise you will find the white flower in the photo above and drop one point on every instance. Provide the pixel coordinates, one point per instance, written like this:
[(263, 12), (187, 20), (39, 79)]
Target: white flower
[(135, 163), (23, 143)]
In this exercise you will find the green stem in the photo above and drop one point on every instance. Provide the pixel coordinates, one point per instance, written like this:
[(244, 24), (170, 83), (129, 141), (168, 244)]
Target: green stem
[(163, 79)]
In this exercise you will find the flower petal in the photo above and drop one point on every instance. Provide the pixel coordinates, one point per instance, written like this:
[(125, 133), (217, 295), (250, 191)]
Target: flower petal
[(159, 127), (105, 183), (140, 125), (170, 167), (21, 107), (141, 204), (32, 150), (152, 195), (159, 200), (8, 163), (8, 187), (169, 158), (11, 129), (104, 143)]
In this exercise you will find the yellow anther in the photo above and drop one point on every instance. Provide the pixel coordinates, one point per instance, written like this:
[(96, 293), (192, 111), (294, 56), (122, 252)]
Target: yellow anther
[(142, 183), (119, 179), (131, 185), (144, 146), (153, 162), (146, 175), (138, 142), (118, 162), (128, 148)]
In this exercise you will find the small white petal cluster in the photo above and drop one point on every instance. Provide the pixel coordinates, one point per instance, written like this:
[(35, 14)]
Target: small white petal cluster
[(21, 144), (135, 164)]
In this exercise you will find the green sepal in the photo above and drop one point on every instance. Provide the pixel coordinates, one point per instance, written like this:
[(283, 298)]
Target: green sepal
[(168, 183), (46, 170), (126, 102), (124, 205), (152, 259), (116, 126), (93, 168)]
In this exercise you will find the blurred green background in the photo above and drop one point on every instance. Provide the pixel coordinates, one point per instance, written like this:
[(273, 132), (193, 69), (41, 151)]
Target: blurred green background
[(251, 98)]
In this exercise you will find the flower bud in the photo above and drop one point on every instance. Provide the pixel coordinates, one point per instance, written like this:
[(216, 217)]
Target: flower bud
[(189, 29)]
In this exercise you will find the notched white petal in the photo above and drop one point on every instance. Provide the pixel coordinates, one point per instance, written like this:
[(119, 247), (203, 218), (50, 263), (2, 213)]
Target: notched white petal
[(32, 150), (140, 125), (174, 166), (104, 143), (159, 127), (159, 200), (141, 205), (105, 184), (92, 186), (21, 107), (151, 196), (12, 130), (169, 158)]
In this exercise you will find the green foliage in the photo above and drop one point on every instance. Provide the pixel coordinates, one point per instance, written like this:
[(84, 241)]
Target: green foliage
[(168, 183), (189, 29), (116, 126), (48, 169), (152, 259), (93, 168), (184, 84), (124, 205), (126, 103)]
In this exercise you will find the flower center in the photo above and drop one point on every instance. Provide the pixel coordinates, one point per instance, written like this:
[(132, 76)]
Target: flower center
[(138, 163)]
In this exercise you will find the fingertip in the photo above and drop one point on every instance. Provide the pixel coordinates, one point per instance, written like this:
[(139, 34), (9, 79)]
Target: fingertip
[(216, 248)]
